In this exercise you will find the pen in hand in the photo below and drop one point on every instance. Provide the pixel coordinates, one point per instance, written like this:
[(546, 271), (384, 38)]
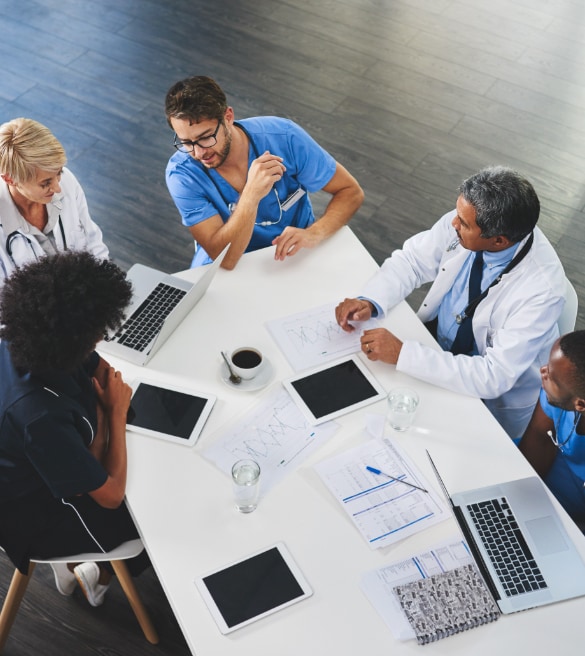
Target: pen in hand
[(393, 478)]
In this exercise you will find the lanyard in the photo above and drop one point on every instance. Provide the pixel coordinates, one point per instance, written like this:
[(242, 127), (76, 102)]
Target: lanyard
[(472, 306)]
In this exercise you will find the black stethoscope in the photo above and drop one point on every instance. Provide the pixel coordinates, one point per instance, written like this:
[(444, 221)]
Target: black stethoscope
[(17, 236), (232, 206)]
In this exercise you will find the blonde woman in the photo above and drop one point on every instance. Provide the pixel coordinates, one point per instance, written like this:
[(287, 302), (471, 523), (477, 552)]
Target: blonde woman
[(42, 205)]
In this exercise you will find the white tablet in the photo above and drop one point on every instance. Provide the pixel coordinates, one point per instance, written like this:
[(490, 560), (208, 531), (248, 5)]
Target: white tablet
[(168, 412), (253, 587), (334, 389)]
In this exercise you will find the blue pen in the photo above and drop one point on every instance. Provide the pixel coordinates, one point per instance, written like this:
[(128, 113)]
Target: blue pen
[(393, 478)]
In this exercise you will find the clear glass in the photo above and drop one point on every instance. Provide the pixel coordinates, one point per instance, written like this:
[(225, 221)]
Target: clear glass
[(402, 405), (246, 485)]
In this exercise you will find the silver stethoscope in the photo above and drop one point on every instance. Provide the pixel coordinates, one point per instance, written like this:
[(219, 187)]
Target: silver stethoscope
[(232, 206), (16, 240)]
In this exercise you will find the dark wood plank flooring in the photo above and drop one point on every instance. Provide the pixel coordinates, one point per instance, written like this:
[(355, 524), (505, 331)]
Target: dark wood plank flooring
[(412, 96)]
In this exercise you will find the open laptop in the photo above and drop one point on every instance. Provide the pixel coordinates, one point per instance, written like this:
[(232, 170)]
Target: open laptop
[(159, 303), (536, 563)]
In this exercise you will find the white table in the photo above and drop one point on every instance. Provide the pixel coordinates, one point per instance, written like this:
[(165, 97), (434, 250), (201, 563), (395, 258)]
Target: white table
[(184, 509)]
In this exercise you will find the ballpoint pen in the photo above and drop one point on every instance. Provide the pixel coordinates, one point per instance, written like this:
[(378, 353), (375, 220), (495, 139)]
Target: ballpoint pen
[(393, 478)]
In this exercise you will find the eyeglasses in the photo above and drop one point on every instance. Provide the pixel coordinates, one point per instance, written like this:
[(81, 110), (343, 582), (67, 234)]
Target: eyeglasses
[(186, 146)]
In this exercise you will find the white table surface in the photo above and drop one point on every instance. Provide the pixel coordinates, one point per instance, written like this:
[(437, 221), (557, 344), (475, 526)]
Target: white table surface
[(184, 509)]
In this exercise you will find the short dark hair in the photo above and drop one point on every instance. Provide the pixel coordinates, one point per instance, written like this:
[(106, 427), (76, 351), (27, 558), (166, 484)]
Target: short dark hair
[(195, 99), (54, 311), (573, 347), (505, 202)]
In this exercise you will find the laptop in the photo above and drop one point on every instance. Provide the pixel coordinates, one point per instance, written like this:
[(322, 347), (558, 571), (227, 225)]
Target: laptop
[(519, 543), (159, 304)]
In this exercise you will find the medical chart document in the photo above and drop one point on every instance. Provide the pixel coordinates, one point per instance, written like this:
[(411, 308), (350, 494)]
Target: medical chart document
[(313, 337), (274, 433), (378, 584), (383, 507)]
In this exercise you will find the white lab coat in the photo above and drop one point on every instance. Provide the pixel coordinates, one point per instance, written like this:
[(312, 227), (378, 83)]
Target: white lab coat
[(81, 233), (514, 326)]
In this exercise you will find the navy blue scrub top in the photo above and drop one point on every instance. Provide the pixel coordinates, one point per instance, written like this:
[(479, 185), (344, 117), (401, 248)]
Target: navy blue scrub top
[(46, 426)]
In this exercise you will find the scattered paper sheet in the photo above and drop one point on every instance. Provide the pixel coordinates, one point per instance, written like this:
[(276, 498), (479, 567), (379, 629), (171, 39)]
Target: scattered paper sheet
[(274, 433), (313, 337), (378, 584), (385, 509)]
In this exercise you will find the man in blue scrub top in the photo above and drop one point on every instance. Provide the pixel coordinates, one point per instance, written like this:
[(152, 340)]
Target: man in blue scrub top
[(554, 442), (246, 183)]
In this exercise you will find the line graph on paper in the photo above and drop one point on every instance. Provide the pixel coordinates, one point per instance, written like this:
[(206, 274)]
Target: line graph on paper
[(312, 337), (274, 433)]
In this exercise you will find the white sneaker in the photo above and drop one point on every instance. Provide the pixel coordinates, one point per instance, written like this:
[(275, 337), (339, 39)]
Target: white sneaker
[(64, 578), (87, 575)]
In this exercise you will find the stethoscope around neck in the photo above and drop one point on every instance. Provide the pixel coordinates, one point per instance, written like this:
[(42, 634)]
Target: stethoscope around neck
[(17, 236), (232, 206)]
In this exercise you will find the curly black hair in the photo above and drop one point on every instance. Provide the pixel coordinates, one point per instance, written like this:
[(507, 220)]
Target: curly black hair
[(54, 311)]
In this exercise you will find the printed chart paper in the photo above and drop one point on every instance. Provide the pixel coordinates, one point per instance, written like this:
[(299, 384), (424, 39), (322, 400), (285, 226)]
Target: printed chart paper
[(383, 509), (313, 337), (274, 433)]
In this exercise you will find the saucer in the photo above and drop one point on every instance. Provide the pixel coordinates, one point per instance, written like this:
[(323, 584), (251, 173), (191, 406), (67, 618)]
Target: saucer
[(258, 382)]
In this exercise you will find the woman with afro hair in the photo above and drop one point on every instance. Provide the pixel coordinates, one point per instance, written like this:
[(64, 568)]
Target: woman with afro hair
[(63, 416)]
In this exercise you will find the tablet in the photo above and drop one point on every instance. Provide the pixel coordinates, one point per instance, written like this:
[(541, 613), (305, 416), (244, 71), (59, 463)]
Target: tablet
[(334, 389), (253, 587), (168, 412)]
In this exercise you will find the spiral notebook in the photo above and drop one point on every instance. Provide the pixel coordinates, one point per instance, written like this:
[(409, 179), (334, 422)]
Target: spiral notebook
[(448, 603)]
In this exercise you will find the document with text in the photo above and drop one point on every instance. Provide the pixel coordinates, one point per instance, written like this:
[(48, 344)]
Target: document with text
[(378, 584), (383, 493)]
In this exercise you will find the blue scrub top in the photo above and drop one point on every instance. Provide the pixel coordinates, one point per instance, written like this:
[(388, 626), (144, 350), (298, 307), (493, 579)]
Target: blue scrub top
[(200, 193)]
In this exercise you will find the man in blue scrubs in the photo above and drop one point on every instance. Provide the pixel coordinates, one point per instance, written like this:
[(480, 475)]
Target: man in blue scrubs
[(554, 441), (246, 183)]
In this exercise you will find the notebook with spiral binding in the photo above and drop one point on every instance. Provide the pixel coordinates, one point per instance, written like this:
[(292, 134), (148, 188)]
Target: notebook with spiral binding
[(447, 603)]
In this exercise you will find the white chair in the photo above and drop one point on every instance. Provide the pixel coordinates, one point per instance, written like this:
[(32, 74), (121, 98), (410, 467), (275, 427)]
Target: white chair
[(116, 557), (568, 316)]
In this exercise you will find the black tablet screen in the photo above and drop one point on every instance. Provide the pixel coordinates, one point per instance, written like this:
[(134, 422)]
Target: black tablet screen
[(253, 587), (334, 388), (165, 411)]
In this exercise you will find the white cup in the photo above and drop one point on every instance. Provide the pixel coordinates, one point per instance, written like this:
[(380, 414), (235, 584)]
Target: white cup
[(247, 362), (246, 485), (402, 405)]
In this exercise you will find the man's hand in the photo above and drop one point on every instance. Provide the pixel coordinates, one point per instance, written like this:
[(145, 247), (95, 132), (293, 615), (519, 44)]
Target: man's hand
[(291, 240), (352, 309), (264, 172), (381, 344)]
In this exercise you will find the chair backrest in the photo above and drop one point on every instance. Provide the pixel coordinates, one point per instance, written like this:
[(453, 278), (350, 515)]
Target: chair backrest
[(568, 316)]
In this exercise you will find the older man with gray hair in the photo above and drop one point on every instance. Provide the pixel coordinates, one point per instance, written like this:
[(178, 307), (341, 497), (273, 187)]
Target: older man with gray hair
[(497, 294)]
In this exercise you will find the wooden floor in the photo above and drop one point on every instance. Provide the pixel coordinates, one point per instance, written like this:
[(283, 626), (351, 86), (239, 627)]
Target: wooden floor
[(411, 96)]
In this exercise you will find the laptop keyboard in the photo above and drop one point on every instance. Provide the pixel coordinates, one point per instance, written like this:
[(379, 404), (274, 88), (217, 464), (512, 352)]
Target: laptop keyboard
[(145, 322), (506, 546)]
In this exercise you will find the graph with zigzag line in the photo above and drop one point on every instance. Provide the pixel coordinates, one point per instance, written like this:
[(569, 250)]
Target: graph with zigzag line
[(274, 433), (313, 337)]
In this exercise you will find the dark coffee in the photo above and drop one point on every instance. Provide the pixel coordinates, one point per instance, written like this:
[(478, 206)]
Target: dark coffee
[(246, 359)]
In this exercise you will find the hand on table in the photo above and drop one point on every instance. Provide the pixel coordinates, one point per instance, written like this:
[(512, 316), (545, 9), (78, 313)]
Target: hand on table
[(352, 309), (381, 344)]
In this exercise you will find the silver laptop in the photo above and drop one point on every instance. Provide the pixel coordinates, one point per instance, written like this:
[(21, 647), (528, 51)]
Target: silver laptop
[(519, 543), (159, 304)]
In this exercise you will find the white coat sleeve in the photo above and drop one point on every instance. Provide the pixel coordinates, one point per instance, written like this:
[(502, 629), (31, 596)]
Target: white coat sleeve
[(514, 347), (95, 243), (415, 264)]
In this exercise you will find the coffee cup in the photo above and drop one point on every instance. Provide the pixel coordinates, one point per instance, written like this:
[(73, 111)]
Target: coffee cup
[(246, 362)]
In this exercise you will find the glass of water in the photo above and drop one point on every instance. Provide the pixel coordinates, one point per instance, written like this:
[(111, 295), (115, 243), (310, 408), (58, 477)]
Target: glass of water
[(402, 405), (246, 485)]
